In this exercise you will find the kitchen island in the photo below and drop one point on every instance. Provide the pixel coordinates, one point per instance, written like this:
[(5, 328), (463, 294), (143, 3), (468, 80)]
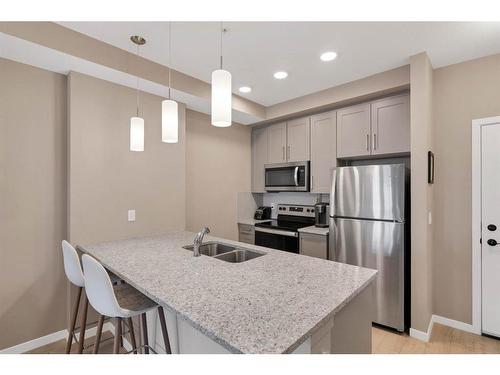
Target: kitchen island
[(276, 303)]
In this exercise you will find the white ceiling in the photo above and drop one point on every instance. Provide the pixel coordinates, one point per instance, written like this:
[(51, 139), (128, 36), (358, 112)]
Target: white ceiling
[(253, 51)]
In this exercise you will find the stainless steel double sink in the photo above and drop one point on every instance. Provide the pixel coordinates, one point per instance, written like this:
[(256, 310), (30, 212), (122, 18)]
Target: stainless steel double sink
[(227, 253)]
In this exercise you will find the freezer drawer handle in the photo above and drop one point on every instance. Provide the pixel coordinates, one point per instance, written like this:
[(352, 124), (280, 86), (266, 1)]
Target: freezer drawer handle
[(492, 242)]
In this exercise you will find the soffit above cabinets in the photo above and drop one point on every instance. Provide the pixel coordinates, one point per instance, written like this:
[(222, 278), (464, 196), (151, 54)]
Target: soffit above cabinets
[(253, 51)]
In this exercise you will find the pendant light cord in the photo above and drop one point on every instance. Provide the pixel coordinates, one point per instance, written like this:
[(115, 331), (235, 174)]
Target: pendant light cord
[(169, 56), (137, 88), (221, 31)]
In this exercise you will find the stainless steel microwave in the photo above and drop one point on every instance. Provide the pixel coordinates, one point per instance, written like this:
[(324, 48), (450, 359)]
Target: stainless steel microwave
[(287, 176)]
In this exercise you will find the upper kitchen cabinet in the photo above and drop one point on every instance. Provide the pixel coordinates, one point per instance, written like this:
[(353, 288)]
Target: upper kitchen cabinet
[(353, 131), (323, 150), (260, 150), (391, 125), (381, 127), (277, 143), (298, 144)]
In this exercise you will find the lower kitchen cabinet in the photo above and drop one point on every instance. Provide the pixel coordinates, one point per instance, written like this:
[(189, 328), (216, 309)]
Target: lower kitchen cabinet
[(246, 233), (314, 245)]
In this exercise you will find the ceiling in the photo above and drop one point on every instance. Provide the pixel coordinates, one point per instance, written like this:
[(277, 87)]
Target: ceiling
[(253, 51)]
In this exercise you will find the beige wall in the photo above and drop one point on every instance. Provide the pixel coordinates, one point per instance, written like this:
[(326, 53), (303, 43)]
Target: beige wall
[(106, 179), (32, 202), (421, 77), (218, 167), (462, 92)]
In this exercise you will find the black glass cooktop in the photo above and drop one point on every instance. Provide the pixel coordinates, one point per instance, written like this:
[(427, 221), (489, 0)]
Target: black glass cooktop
[(287, 224)]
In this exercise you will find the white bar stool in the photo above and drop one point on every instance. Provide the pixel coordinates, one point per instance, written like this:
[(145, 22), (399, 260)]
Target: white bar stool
[(74, 273), (119, 302)]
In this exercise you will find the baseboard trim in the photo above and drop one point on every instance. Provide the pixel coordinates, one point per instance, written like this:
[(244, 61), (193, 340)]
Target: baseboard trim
[(36, 343), (426, 336), (59, 335), (422, 336), (455, 324)]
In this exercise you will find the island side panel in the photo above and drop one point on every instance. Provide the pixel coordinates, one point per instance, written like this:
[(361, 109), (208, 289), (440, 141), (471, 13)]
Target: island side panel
[(352, 325)]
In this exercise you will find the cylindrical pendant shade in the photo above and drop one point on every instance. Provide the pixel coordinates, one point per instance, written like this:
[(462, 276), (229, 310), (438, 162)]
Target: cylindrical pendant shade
[(221, 98), (136, 134), (169, 121)]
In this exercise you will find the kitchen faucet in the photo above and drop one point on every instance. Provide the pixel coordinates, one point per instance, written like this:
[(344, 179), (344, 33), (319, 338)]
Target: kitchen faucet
[(198, 241)]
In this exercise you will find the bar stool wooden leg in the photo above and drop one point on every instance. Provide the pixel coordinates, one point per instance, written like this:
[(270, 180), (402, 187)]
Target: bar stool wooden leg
[(118, 335), (98, 334), (121, 337), (145, 332), (132, 334), (73, 321), (83, 323), (164, 330)]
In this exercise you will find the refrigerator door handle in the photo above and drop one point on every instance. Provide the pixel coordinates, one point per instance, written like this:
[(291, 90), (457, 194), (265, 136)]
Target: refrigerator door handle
[(332, 192)]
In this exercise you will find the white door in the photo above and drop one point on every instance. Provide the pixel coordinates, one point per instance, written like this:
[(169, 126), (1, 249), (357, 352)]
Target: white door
[(490, 228)]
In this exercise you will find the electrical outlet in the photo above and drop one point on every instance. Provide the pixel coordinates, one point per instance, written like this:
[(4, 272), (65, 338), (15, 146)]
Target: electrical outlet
[(273, 206), (131, 215)]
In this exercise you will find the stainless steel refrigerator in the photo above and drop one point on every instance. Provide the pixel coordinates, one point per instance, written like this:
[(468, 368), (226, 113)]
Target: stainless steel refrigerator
[(369, 228)]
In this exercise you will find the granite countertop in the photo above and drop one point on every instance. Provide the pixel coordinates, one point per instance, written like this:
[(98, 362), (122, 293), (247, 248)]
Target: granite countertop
[(270, 304), (315, 230), (251, 221)]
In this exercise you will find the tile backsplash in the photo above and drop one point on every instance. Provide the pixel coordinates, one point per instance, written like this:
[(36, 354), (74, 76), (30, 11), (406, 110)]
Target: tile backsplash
[(248, 202)]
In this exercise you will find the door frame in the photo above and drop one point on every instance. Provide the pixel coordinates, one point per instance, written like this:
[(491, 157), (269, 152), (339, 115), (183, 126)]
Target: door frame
[(477, 125)]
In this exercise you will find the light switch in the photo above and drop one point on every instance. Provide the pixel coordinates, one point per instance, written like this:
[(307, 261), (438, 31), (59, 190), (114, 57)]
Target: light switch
[(131, 215), (430, 218)]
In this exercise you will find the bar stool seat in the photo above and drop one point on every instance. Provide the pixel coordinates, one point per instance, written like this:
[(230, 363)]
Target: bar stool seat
[(122, 302), (115, 280), (131, 301)]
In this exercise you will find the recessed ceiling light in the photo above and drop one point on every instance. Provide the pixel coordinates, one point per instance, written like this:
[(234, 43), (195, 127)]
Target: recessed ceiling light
[(245, 89), (328, 56), (280, 75)]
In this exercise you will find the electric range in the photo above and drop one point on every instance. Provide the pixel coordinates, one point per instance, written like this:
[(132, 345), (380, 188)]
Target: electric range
[(282, 233)]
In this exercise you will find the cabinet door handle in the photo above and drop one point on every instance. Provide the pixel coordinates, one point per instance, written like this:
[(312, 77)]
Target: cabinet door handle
[(283, 152), (368, 142), (312, 182), (287, 152), (374, 141)]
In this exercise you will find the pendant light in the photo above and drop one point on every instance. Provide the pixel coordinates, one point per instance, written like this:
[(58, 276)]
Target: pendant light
[(169, 111), (137, 123), (221, 93)]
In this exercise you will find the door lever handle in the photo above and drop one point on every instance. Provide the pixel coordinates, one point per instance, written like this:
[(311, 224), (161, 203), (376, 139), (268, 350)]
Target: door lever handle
[(492, 242)]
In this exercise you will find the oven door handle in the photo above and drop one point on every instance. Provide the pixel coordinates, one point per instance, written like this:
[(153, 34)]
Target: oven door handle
[(296, 176), (277, 231)]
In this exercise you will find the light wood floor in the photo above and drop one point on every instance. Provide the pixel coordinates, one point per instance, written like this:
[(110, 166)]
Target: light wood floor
[(445, 340), (59, 347)]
